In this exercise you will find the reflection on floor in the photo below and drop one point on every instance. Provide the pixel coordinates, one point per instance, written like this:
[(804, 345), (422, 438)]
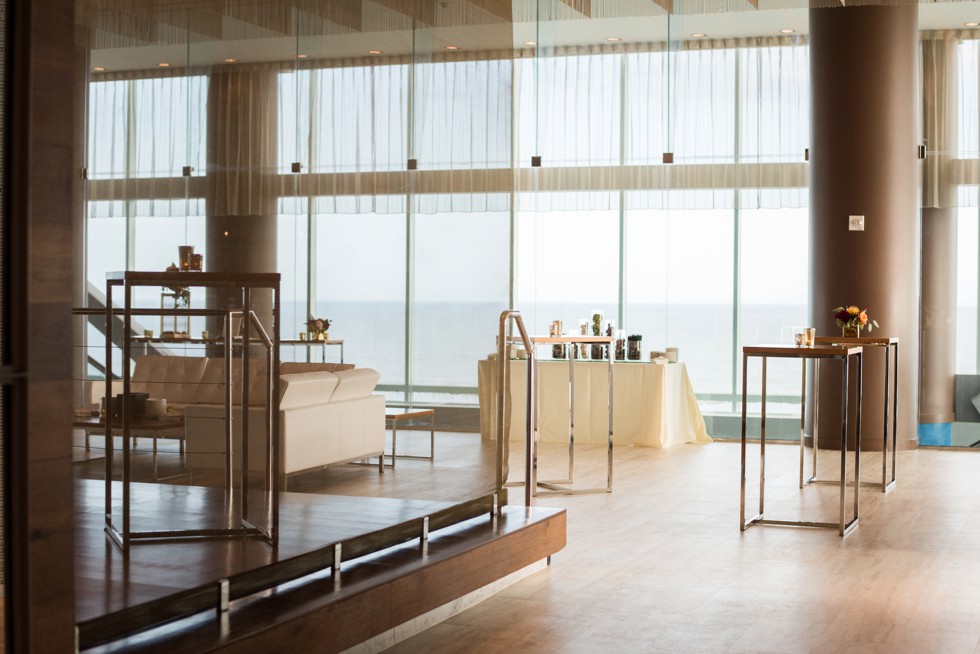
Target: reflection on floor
[(322, 507), (464, 467), (660, 565)]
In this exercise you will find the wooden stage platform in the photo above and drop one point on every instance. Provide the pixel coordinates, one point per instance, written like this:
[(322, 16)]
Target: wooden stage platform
[(113, 588)]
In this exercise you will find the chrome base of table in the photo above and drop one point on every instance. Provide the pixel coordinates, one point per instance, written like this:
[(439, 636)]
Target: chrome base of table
[(556, 488), (827, 482), (760, 520)]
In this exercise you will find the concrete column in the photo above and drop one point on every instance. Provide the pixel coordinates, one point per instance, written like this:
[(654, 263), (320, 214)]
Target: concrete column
[(864, 90), (938, 367), (938, 355), (241, 201)]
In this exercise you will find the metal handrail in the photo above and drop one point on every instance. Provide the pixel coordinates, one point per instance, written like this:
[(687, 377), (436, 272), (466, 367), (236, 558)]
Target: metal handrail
[(503, 379), (271, 425)]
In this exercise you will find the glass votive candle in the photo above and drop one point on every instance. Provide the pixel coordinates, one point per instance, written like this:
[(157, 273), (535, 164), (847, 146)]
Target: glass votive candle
[(809, 336)]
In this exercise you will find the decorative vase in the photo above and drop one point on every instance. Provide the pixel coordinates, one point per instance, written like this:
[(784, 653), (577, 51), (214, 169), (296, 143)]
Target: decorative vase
[(851, 332)]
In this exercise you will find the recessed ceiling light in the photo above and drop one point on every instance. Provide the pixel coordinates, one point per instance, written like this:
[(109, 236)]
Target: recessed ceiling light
[(613, 38), (230, 60), (972, 23), (302, 56), (163, 64), (530, 43), (699, 35), (787, 31), (452, 47), (99, 69), (374, 51)]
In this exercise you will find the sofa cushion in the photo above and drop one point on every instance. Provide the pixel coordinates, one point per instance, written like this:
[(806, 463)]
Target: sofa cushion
[(212, 387), (306, 389), (171, 377), (292, 367), (353, 384)]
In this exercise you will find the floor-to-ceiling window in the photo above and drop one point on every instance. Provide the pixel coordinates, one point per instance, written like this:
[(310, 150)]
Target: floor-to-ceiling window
[(401, 218)]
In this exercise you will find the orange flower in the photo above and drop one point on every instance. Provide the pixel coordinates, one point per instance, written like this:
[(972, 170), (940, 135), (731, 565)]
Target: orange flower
[(863, 317)]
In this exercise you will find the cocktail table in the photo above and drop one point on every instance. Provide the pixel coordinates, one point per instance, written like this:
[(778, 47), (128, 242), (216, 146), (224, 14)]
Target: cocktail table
[(394, 415)]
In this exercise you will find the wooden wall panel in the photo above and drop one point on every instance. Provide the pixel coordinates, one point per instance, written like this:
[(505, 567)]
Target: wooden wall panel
[(41, 129)]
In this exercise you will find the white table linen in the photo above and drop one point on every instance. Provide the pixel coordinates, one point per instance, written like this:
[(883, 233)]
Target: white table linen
[(653, 404)]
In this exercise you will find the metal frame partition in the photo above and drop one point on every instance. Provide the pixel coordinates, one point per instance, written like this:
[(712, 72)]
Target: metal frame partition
[(123, 536), (503, 388), (561, 486), (531, 482)]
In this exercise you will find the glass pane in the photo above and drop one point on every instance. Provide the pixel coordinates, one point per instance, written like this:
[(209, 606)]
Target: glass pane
[(680, 287), (360, 287), (567, 260), (459, 293), (292, 265), (967, 271), (773, 291)]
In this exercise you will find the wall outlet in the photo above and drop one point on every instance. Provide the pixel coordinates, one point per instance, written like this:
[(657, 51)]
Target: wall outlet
[(855, 223)]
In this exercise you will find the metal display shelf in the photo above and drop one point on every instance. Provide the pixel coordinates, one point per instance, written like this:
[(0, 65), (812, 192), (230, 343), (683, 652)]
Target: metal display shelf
[(124, 535)]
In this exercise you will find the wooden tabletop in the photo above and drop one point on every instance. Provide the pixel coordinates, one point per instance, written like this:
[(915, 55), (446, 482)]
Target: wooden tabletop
[(395, 412), (818, 351), (851, 340)]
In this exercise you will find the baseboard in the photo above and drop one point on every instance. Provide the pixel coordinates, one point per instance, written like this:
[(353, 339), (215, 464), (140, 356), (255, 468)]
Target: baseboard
[(417, 625)]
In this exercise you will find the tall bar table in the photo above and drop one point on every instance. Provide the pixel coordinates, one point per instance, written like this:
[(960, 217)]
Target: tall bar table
[(818, 353), (562, 486), (888, 343)]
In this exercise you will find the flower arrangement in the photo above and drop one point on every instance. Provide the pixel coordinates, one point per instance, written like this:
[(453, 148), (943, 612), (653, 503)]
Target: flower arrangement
[(317, 327), (852, 317)]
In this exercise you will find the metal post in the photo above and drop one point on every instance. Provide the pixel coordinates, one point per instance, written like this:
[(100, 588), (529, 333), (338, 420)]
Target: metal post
[(857, 433), (531, 420), (609, 453), (802, 419), (762, 444), (884, 424), (229, 401), (124, 410), (246, 357), (843, 439), (745, 366)]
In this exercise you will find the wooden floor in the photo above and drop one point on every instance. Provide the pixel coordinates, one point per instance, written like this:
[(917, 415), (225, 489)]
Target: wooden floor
[(322, 507), (108, 580), (660, 565)]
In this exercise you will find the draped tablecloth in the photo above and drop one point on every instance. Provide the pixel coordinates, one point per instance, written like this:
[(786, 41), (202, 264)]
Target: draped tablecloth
[(653, 404)]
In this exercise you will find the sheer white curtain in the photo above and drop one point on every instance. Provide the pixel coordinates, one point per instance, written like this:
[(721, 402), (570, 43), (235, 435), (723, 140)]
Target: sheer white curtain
[(461, 127), (347, 127), (142, 132)]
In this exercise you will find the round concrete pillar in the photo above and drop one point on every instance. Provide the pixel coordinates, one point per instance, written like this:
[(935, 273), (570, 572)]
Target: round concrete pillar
[(864, 98), (241, 200)]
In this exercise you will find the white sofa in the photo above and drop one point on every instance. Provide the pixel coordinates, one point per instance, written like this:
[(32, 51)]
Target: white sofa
[(327, 412)]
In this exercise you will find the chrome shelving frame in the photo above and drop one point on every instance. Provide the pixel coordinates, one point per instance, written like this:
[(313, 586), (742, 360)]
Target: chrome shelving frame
[(124, 535)]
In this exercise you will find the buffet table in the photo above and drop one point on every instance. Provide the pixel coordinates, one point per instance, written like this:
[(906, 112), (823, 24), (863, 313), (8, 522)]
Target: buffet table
[(653, 404)]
